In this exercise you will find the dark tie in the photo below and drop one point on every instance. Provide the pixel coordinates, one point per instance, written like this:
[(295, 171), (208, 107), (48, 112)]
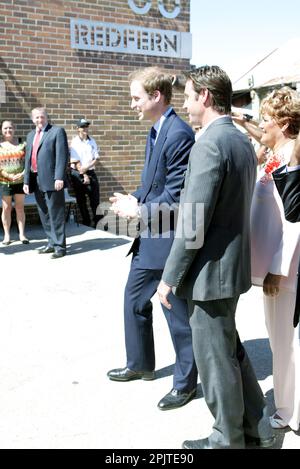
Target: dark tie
[(153, 134), (35, 147)]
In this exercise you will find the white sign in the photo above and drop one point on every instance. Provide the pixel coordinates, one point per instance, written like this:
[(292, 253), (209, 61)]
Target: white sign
[(148, 4), (113, 37)]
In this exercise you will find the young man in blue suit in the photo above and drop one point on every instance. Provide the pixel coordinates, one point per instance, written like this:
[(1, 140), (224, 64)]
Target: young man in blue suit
[(46, 161), (167, 150), (210, 266)]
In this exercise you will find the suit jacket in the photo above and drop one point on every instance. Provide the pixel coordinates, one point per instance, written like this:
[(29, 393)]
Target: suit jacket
[(210, 256), (288, 186), (52, 157), (162, 179)]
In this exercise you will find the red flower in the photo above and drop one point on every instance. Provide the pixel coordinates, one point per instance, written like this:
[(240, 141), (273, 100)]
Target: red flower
[(272, 163)]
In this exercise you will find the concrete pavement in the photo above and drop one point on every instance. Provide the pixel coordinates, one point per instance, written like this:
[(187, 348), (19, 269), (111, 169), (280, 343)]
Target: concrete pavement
[(61, 330)]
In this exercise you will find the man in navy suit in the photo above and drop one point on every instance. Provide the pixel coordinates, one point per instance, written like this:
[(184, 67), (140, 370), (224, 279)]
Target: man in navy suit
[(154, 203), (46, 161)]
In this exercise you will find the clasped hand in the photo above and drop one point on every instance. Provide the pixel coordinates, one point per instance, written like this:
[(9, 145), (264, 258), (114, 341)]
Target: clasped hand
[(124, 205)]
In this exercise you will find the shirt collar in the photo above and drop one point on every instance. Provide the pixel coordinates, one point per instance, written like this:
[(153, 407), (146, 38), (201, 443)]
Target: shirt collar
[(158, 124), (204, 129)]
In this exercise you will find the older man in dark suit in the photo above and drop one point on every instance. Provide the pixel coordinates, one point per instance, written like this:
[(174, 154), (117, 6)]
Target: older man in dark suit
[(167, 150), (46, 163), (209, 263)]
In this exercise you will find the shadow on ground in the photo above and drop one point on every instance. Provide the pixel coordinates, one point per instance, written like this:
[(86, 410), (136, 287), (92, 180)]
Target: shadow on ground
[(101, 244), (261, 357), (37, 240)]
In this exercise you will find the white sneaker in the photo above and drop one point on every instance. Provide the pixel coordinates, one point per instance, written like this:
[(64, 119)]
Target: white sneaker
[(277, 422)]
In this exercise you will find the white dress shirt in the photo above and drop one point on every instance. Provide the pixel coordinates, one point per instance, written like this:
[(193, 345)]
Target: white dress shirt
[(84, 151)]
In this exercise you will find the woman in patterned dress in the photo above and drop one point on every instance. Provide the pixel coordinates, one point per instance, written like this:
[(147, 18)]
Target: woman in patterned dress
[(11, 179)]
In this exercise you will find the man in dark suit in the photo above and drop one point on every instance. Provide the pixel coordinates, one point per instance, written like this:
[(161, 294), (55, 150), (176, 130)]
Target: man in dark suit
[(167, 150), (209, 263), (46, 163)]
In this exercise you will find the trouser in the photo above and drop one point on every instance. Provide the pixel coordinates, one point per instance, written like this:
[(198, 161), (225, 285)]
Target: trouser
[(51, 208), (82, 191), (140, 288), (229, 384), (284, 342)]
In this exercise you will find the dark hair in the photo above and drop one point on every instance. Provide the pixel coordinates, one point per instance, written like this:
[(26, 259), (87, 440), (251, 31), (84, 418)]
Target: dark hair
[(152, 79), (217, 82), (6, 120)]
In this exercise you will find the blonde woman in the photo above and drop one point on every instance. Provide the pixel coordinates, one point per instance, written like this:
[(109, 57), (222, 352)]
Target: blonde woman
[(275, 254), (11, 179)]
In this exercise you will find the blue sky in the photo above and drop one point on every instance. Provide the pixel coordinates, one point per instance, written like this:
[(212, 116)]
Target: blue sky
[(237, 34)]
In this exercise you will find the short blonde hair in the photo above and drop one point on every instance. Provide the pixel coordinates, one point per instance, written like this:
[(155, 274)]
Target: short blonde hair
[(152, 79), (283, 105)]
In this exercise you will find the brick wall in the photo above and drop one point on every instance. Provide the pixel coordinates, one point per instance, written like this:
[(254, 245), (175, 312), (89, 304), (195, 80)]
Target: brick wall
[(40, 68)]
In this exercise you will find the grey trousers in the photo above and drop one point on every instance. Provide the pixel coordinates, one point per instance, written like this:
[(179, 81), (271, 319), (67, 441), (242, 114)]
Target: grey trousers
[(229, 384)]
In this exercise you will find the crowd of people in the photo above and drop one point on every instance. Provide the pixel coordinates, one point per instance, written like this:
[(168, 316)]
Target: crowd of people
[(240, 237), (232, 221), (43, 169)]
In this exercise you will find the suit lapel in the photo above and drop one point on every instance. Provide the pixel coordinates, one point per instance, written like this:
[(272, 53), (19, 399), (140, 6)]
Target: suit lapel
[(31, 139), (45, 135), (147, 159), (152, 162)]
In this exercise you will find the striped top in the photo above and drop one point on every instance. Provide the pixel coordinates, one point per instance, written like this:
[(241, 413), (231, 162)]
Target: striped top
[(12, 160)]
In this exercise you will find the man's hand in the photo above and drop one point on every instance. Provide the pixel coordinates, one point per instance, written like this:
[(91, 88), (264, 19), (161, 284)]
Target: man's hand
[(58, 184), (117, 196), (26, 189), (124, 205), (271, 284), (163, 291), (86, 179)]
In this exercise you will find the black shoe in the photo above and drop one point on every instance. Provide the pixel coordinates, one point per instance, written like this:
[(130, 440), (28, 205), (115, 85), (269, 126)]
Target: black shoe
[(125, 374), (197, 444), (24, 241), (261, 442), (175, 399), (58, 254), (46, 250)]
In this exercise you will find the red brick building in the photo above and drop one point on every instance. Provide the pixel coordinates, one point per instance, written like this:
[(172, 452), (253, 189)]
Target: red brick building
[(73, 57)]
